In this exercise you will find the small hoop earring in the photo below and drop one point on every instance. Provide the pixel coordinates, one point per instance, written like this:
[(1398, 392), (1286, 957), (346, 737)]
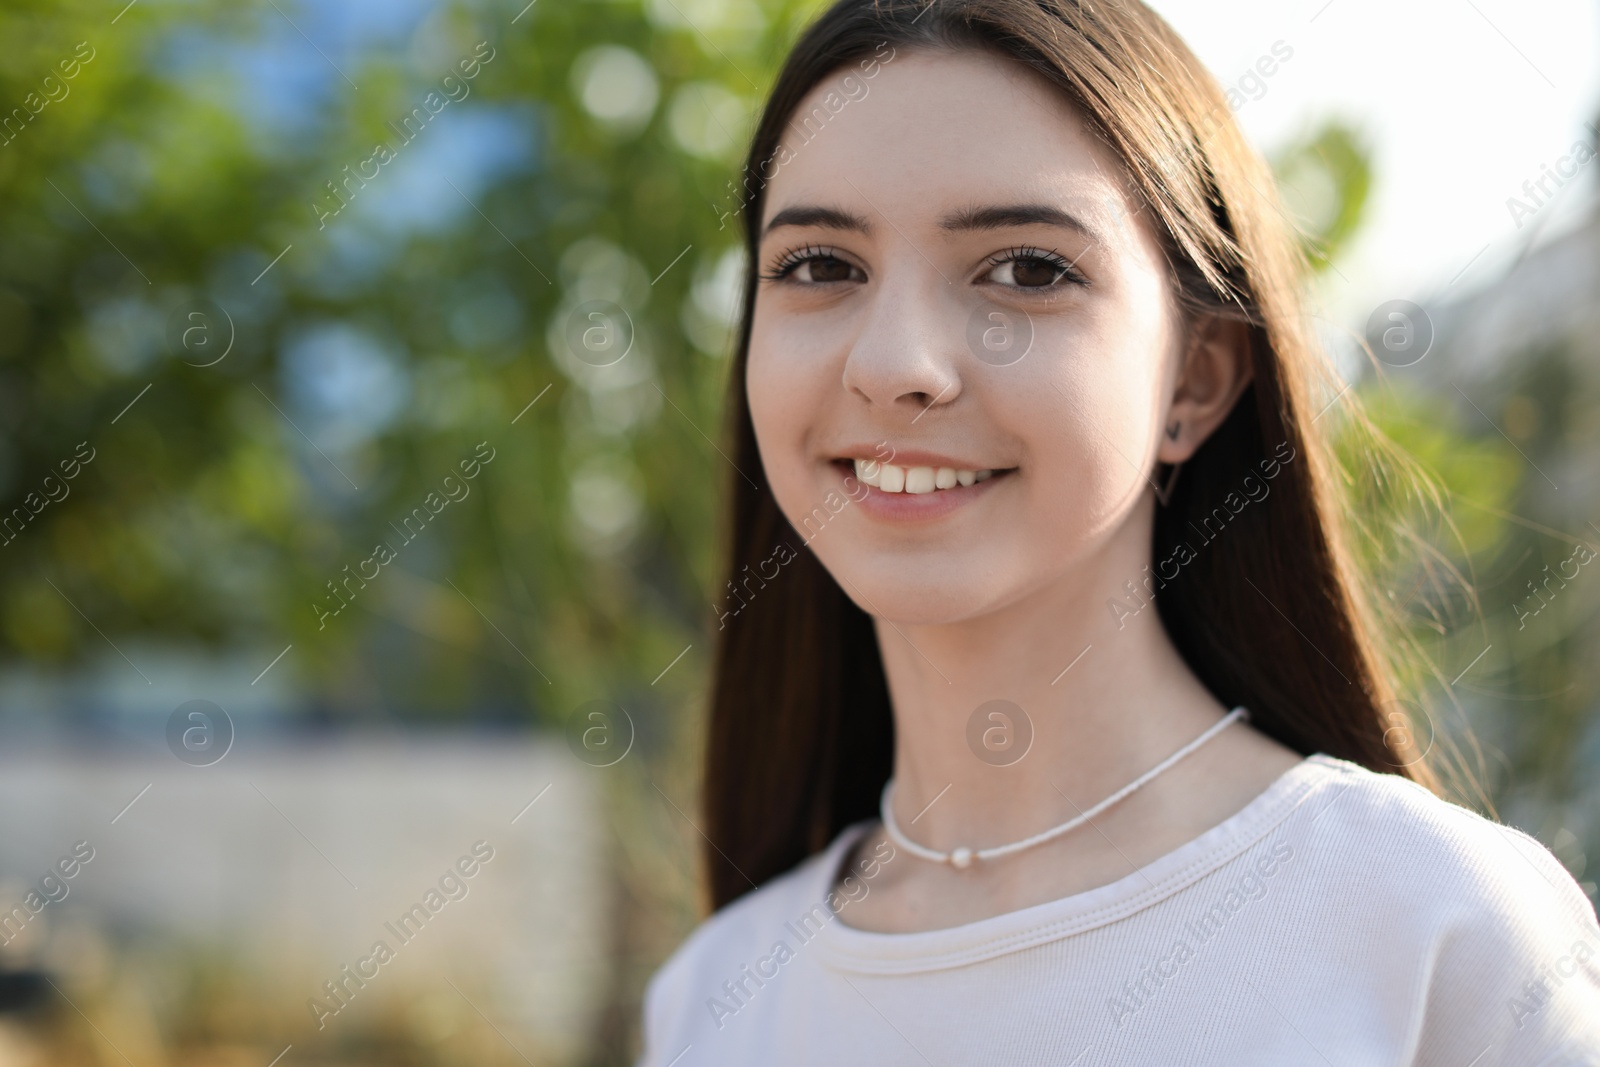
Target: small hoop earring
[(1164, 492)]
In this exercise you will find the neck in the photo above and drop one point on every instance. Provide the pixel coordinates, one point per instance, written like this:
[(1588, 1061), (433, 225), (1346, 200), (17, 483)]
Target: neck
[(1102, 691)]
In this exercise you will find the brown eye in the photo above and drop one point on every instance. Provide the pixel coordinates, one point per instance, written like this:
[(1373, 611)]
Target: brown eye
[(814, 265), (1031, 273), (826, 269), (1032, 268)]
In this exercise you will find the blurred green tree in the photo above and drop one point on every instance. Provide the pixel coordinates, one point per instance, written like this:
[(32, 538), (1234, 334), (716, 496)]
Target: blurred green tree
[(165, 210)]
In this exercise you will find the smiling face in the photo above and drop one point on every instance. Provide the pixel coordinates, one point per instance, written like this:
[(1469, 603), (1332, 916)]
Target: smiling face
[(954, 282)]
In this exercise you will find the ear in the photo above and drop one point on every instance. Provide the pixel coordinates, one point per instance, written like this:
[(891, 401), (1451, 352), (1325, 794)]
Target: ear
[(1216, 368)]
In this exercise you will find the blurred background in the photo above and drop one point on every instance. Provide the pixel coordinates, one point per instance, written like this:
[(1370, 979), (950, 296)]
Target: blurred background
[(336, 560)]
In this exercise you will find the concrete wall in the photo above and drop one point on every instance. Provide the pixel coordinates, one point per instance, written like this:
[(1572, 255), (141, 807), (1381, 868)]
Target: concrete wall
[(293, 857)]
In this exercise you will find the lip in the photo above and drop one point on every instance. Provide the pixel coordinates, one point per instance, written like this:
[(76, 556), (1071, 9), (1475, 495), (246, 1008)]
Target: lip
[(909, 457), (915, 507)]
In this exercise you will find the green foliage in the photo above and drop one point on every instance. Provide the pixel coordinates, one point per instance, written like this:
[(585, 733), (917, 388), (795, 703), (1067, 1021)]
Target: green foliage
[(1325, 179), (1485, 573), (1409, 468), (222, 503)]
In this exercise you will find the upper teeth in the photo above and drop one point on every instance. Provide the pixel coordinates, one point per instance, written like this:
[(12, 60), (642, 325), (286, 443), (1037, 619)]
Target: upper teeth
[(893, 479)]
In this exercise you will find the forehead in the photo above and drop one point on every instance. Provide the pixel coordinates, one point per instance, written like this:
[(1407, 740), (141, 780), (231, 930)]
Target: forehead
[(932, 131)]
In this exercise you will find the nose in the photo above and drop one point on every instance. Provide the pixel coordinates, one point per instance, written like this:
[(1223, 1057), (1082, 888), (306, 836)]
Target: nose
[(906, 357)]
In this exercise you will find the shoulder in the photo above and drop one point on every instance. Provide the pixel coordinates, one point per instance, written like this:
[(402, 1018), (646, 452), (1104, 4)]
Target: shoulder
[(1507, 946), (735, 937), (1402, 831)]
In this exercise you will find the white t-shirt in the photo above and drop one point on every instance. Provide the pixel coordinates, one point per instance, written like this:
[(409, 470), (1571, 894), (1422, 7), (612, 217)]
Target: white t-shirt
[(1342, 917)]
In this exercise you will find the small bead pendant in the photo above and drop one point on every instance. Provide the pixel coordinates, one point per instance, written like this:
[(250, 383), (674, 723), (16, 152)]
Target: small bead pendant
[(961, 858)]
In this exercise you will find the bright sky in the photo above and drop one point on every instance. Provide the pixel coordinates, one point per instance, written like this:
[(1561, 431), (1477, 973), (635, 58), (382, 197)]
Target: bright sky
[(1463, 101)]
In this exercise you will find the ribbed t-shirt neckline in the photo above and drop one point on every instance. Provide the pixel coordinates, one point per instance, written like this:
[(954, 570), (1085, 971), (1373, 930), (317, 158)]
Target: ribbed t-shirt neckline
[(848, 948)]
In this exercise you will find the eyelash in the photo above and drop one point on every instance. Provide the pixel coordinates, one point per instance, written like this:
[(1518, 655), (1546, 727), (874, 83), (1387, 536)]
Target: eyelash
[(787, 263), (1067, 271)]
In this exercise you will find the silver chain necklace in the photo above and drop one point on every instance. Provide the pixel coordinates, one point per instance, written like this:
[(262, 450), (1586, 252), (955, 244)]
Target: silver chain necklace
[(961, 858)]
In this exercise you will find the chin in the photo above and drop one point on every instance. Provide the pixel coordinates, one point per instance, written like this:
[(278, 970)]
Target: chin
[(919, 588)]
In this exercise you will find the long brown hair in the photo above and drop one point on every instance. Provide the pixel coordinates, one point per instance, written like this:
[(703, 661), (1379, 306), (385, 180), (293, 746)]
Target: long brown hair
[(1268, 616)]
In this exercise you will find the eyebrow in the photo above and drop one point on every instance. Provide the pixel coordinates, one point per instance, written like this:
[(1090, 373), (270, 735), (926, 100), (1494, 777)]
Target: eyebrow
[(966, 220), (831, 218), (1007, 215)]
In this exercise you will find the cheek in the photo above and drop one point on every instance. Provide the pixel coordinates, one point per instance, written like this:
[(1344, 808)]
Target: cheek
[(1092, 417), (787, 384), (763, 378), (768, 378)]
